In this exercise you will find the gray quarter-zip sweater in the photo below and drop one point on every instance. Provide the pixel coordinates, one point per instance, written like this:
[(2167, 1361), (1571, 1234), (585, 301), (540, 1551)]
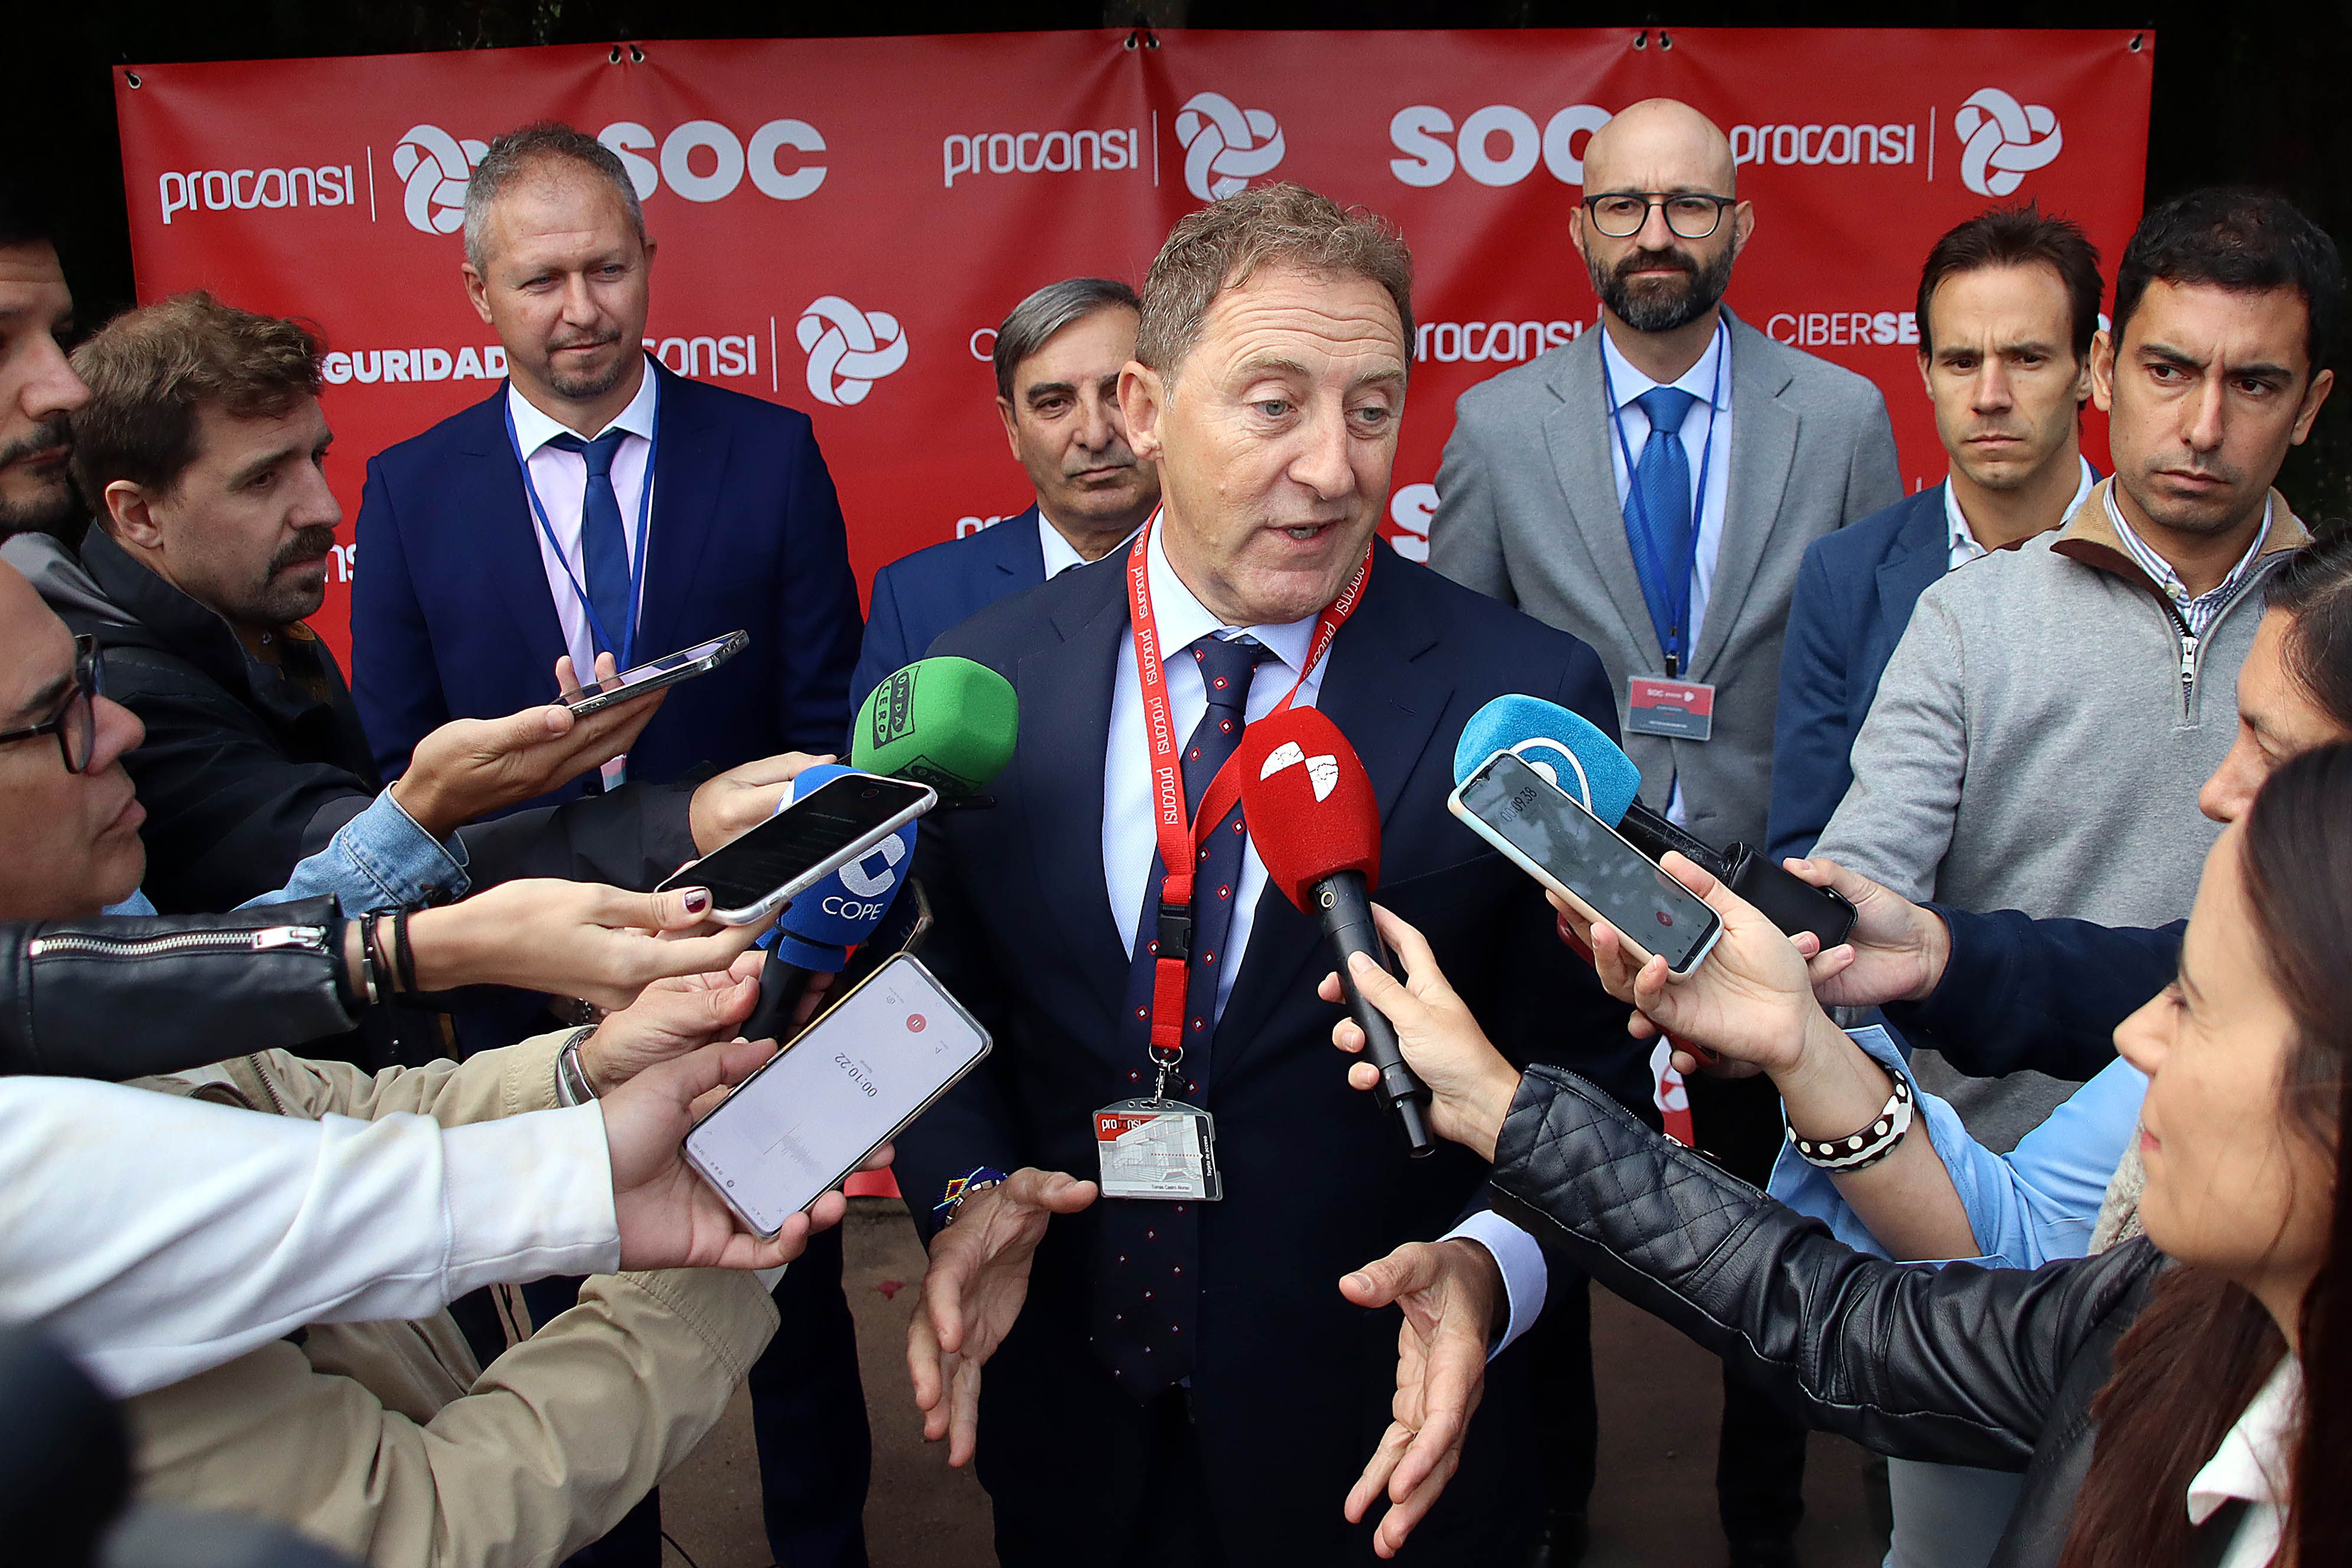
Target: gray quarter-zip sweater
[(2042, 730)]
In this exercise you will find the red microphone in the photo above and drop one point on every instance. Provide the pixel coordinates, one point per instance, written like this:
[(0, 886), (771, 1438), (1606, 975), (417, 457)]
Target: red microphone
[(1317, 824)]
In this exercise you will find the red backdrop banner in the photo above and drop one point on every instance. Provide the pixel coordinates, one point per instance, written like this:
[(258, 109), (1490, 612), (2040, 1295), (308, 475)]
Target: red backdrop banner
[(841, 222)]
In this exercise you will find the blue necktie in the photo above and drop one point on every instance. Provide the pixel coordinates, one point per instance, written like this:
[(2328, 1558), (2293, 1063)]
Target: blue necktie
[(1658, 525), (1146, 1296), (604, 544)]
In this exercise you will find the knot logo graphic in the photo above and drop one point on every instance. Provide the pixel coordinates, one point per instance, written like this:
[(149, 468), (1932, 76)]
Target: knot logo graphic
[(1225, 146), (2003, 141), (873, 884), (849, 350), (435, 166)]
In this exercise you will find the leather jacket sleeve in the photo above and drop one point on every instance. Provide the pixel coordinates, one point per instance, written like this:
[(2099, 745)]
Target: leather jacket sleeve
[(123, 997), (1956, 1365)]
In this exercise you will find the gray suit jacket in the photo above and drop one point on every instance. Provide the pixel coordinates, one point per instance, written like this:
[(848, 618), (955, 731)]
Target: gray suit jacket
[(1528, 512)]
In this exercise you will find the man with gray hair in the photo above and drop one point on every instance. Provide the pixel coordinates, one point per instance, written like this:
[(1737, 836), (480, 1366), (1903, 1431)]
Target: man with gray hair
[(1059, 356), (598, 503), (1173, 1376)]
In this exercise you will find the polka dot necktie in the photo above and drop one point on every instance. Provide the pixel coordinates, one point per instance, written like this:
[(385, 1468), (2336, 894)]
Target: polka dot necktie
[(1146, 1294)]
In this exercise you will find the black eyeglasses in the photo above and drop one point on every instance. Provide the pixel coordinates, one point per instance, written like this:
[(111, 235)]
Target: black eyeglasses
[(76, 723), (1620, 214)]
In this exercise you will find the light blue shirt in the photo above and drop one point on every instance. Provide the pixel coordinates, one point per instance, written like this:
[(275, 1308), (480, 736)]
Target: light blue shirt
[(380, 859), (2034, 1204)]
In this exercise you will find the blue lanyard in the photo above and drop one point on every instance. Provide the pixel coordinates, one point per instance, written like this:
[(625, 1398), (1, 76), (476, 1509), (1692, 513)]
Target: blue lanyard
[(1678, 588), (620, 650)]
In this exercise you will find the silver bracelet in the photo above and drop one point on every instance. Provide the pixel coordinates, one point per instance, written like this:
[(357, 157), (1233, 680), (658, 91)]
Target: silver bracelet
[(571, 1084), (1864, 1149)]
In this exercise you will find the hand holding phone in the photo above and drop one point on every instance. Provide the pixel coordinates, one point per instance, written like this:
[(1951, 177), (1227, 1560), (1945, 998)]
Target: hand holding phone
[(761, 869), (855, 1079), (1556, 839), (631, 684)]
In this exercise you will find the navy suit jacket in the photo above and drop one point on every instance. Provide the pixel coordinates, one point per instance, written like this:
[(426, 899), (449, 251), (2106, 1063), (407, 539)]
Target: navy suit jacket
[(1291, 1385), (452, 616), (1855, 590), (940, 586)]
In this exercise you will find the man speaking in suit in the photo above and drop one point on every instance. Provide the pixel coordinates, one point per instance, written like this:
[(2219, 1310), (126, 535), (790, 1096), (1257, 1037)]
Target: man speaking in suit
[(597, 503), (1059, 356), (1180, 1380), (1652, 488)]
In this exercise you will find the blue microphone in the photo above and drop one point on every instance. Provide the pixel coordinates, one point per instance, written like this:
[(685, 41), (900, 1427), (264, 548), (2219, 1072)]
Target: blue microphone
[(817, 930), (1577, 756)]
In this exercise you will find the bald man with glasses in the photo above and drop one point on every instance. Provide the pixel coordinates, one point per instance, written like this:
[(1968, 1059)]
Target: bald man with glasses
[(1652, 488)]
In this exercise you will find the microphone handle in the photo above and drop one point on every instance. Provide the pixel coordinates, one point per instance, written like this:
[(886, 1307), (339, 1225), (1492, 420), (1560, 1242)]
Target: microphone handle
[(781, 986), (1652, 835), (1346, 906)]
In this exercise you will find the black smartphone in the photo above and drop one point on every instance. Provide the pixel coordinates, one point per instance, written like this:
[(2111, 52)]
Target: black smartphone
[(1555, 840), (683, 664), (764, 868)]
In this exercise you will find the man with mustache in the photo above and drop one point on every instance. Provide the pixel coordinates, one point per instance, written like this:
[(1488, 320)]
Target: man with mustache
[(1058, 356), (37, 388), (1676, 558), (2040, 731)]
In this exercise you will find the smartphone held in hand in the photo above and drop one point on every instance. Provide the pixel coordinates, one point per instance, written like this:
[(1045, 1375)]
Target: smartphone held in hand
[(630, 684), (765, 866), (1558, 841), (854, 1079)]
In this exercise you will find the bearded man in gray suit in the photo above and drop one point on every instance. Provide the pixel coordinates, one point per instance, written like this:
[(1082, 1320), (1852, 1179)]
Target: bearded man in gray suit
[(1674, 559)]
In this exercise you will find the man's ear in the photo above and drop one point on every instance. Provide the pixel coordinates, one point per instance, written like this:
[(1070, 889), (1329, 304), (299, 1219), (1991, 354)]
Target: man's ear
[(2103, 371), (477, 292), (1012, 427), (1143, 398), (130, 515), (2314, 395)]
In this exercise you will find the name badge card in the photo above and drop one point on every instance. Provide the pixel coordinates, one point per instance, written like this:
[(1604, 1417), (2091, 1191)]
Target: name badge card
[(1158, 1149), (1679, 710)]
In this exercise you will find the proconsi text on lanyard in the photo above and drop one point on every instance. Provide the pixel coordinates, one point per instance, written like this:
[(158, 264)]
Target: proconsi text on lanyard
[(1179, 840), (1675, 587), (621, 649)]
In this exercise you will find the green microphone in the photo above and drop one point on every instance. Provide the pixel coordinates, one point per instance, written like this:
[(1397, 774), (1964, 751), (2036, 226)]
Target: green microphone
[(944, 721)]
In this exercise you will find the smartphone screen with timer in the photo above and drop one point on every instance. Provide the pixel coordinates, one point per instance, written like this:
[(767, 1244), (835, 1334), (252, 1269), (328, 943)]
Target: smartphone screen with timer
[(853, 1081)]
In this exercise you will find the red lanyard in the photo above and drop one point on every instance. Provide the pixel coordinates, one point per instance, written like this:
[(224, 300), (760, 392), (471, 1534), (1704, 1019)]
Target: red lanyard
[(1179, 840)]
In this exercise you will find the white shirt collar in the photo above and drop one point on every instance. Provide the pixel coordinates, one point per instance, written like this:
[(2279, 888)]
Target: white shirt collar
[(1061, 555), (534, 429), (1699, 381), (1962, 539), (2256, 1456), (1183, 619)]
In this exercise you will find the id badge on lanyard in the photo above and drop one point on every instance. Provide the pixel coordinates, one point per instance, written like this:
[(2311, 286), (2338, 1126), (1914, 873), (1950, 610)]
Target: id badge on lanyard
[(1157, 1147), (1669, 705)]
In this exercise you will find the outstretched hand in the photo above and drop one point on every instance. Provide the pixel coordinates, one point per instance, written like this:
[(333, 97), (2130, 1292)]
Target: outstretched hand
[(572, 939), (1470, 1084), (1451, 1293), (972, 1292), (470, 767), (1895, 953)]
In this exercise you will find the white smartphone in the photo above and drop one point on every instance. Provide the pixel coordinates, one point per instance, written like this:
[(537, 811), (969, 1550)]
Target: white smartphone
[(854, 1079), (765, 866), (1556, 839), (683, 664)]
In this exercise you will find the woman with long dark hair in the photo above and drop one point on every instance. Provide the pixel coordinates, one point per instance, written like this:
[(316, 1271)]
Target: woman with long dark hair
[(2185, 1398)]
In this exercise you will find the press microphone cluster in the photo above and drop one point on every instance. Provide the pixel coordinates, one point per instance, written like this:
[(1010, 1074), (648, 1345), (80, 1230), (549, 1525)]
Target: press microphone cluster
[(947, 722), (1588, 764), (1315, 823)]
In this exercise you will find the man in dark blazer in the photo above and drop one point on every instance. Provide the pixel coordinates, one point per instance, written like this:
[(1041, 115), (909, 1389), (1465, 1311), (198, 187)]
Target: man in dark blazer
[(1058, 356), (524, 527), (464, 602), (2008, 304), (1233, 1436)]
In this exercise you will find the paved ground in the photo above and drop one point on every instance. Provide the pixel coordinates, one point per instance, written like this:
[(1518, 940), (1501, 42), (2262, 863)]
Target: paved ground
[(1654, 1504)]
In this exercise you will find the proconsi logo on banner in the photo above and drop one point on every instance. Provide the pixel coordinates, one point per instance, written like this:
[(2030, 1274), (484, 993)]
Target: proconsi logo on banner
[(434, 165)]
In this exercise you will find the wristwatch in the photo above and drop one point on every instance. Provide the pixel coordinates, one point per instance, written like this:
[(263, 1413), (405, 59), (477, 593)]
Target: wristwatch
[(571, 1084), (979, 1179)]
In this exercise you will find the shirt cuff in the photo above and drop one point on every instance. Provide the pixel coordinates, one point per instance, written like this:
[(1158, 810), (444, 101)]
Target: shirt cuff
[(530, 1196), (1526, 1279)]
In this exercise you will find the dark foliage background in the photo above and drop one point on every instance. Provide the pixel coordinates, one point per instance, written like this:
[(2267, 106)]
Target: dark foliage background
[(2247, 94)]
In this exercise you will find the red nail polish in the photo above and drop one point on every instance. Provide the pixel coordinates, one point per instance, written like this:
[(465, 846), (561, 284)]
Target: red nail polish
[(696, 900)]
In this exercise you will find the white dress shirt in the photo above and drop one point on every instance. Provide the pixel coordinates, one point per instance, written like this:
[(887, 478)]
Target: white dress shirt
[(1699, 426), (1061, 555), (1961, 538), (1129, 839), (2255, 1466), (561, 478)]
